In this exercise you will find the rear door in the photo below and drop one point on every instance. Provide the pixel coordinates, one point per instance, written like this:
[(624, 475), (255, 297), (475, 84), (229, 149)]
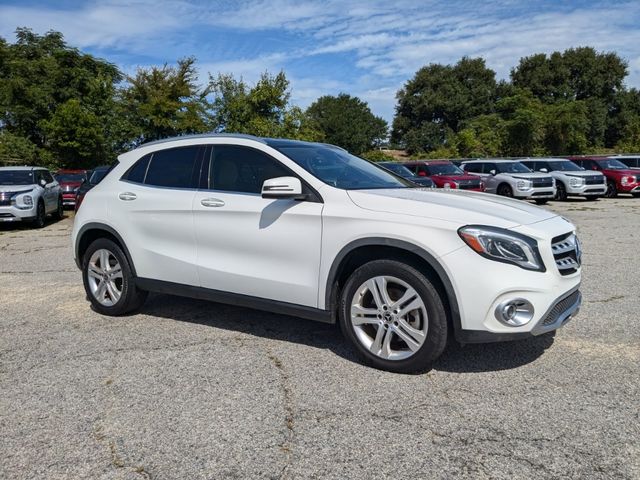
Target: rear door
[(251, 245), (153, 211)]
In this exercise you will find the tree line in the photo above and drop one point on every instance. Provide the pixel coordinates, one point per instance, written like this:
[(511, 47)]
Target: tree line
[(61, 107)]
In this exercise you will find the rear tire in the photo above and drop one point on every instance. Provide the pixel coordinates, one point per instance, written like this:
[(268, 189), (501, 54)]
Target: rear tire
[(636, 195), (393, 316), (108, 279)]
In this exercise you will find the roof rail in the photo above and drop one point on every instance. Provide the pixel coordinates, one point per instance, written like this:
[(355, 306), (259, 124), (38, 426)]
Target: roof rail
[(202, 135)]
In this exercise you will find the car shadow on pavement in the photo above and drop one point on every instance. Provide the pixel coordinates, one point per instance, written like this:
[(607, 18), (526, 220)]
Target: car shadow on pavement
[(455, 359)]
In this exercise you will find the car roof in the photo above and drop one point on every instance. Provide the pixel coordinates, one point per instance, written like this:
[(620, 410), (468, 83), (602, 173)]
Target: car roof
[(71, 170), (430, 162), (496, 160), (23, 168), (272, 142)]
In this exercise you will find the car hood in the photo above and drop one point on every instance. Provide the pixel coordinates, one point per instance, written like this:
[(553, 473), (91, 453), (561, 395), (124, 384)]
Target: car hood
[(527, 175), (456, 206), (622, 172), (579, 174), (456, 178), (16, 188)]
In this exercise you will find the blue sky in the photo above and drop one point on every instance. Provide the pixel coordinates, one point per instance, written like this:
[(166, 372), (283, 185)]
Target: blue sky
[(365, 48)]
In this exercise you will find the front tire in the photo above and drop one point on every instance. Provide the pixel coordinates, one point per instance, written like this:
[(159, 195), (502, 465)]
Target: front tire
[(108, 279), (41, 215), (394, 317), (505, 190), (561, 192), (59, 213), (612, 190)]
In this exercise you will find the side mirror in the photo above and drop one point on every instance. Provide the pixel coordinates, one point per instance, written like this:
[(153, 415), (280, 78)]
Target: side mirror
[(492, 172), (282, 187), (43, 182), (544, 170)]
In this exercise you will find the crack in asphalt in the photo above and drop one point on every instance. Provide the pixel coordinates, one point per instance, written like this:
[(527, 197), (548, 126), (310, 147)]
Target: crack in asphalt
[(285, 384)]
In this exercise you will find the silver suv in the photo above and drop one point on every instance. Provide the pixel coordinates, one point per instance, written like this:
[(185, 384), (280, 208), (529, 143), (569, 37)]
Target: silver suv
[(511, 178), (571, 180), (29, 194)]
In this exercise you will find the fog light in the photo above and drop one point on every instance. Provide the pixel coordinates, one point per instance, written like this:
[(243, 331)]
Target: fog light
[(515, 313)]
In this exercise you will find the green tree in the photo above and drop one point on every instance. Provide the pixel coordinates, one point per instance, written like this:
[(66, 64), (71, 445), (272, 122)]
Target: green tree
[(263, 109), (567, 125), (38, 75), (165, 101), (445, 96), (347, 121)]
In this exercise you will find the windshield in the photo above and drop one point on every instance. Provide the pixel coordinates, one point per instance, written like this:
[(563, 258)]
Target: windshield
[(444, 169), (564, 166), (70, 177), (16, 177), (98, 175), (511, 167), (340, 169), (399, 169), (612, 164)]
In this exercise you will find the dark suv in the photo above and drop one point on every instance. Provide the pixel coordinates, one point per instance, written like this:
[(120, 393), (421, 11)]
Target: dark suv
[(620, 178), (445, 174)]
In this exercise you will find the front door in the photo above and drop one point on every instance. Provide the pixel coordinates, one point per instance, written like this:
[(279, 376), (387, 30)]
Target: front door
[(250, 245)]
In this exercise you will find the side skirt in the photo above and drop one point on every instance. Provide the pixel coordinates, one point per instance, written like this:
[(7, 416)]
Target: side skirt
[(240, 300)]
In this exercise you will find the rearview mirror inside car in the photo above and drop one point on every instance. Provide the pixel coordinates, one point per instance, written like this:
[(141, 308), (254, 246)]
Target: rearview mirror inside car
[(282, 187)]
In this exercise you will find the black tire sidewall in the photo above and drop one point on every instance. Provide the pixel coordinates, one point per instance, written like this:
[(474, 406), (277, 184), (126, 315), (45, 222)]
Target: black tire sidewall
[(129, 291), (612, 190), (505, 190), (561, 192), (437, 330), (41, 215)]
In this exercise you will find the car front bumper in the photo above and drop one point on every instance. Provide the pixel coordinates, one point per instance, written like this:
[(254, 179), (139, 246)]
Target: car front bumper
[(12, 213), (586, 190), (535, 193)]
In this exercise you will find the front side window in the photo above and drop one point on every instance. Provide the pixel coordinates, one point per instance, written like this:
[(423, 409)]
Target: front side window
[(512, 167), (47, 176), (473, 167), (340, 169), (487, 167), (235, 168), (16, 177), (563, 166)]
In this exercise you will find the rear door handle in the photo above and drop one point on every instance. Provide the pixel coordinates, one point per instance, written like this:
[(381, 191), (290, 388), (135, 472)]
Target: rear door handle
[(211, 202), (127, 196)]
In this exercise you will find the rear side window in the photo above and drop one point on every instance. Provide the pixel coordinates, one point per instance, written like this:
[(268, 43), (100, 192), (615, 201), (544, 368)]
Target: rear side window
[(242, 169), (170, 168)]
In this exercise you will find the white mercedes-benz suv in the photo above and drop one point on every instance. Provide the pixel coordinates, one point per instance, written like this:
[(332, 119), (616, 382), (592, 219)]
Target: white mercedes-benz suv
[(307, 229)]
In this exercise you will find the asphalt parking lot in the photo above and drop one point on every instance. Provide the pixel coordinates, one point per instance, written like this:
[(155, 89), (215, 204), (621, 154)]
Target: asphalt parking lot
[(190, 389)]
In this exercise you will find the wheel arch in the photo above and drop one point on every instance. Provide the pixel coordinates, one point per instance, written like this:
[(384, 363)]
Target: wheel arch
[(93, 231), (361, 251)]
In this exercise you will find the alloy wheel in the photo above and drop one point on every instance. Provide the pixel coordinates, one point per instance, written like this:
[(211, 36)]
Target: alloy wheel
[(104, 274), (389, 318)]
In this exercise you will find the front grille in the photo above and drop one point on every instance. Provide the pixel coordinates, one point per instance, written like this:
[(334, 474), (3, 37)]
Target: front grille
[(566, 253), (542, 182), (468, 184), (561, 307), (594, 180)]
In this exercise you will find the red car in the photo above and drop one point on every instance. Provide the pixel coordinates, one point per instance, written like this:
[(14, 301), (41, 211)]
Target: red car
[(620, 178), (445, 174), (70, 181)]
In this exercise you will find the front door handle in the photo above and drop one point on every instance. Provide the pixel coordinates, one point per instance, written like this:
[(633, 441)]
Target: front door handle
[(211, 202), (127, 196)]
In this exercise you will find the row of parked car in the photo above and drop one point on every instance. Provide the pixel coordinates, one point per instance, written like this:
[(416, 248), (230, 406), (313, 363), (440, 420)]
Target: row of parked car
[(30, 194), (538, 179)]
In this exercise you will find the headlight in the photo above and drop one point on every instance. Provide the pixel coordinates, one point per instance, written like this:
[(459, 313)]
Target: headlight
[(576, 182), (628, 180), (523, 185), (503, 246), (28, 200)]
